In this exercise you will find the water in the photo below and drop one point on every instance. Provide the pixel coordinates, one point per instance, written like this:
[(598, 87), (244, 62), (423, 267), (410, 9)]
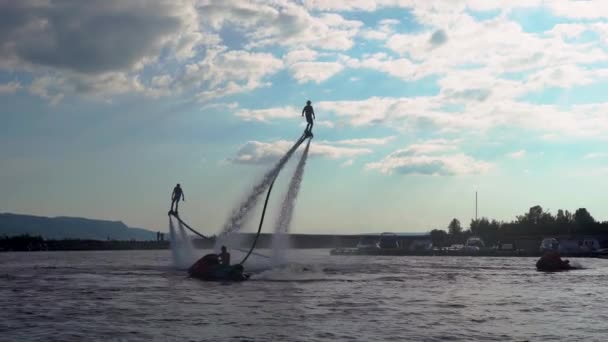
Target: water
[(137, 296), (240, 214), (182, 249), (280, 243)]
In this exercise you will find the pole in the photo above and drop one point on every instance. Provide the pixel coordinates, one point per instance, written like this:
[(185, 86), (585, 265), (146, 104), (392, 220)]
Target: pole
[(475, 205)]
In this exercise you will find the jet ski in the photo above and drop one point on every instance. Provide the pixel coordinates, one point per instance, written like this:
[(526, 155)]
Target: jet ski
[(208, 268), (551, 262)]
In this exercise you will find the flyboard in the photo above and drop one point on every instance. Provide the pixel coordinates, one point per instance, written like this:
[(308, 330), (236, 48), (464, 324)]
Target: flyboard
[(208, 267)]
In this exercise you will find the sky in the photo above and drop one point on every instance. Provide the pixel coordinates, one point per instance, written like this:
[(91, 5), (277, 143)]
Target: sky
[(107, 104)]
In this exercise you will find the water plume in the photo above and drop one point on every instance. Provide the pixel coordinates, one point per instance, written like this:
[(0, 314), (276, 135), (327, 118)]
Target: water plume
[(182, 249), (241, 213), (280, 241)]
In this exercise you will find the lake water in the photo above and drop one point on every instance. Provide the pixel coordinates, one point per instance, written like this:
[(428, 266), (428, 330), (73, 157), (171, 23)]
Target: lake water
[(137, 295)]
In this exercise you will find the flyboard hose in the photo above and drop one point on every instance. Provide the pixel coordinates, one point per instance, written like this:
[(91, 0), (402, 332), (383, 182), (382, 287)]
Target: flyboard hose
[(255, 240), (208, 238), (299, 142)]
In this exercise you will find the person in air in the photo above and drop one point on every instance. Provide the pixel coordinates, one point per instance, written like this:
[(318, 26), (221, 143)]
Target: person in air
[(310, 116), (178, 194), (224, 257)]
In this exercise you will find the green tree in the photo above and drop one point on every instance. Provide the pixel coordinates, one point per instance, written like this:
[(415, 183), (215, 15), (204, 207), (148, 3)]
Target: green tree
[(583, 219), (454, 227), (439, 237)]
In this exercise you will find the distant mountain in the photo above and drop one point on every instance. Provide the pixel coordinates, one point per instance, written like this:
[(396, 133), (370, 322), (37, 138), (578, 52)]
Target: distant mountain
[(70, 228)]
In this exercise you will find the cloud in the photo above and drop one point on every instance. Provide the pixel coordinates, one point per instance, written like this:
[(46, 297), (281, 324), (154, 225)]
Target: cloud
[(348, 163), (517, 154), (427, 147), (225, 73), (436, 165), (314, 71), (256, 152), (10, 88), (282, 23), (437, 157), (498, 109), (266, 115), (595, 155), (95, 37), (438, 37), (300, 55), (450, 165), (325, 123), (365, 141)]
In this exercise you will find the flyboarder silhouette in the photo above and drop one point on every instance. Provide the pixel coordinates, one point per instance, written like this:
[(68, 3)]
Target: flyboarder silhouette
[(178, 194), (310, 116), (224, 257)]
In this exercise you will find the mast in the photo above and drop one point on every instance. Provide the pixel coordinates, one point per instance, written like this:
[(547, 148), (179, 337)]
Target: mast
[(475, 205)]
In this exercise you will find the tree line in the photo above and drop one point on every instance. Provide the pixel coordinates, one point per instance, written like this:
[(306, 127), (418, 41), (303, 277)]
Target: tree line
[(536, 223)]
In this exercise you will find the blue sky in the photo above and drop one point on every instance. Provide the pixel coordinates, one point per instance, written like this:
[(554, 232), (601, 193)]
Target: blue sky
[(106, 105)]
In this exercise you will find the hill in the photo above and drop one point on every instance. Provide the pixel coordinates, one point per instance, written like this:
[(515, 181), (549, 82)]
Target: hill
[(70, 228)]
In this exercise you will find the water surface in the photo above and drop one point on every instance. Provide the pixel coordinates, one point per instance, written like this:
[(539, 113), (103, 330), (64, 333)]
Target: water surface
[(138, 295)]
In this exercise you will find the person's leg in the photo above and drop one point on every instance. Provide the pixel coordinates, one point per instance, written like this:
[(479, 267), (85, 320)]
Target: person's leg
[(176, 204)]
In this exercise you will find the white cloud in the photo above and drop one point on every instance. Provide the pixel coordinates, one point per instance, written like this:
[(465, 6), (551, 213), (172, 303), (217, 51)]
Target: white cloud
[(256, 152), (428, 147), (269, 114), (300, 55), (231, 72), (325, 123), (480, 112), (282, 23), (595, 155), (424, 159), (449, 165), (348, 163), (365, 141), (314, 71), (10, 88), (517, 154)]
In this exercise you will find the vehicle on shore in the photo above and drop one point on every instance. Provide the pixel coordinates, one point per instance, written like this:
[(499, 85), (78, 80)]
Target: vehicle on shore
[(367, 243), (549, 245)]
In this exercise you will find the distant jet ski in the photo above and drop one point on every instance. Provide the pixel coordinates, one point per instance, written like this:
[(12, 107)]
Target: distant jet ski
[(551, 262), (208, 268)]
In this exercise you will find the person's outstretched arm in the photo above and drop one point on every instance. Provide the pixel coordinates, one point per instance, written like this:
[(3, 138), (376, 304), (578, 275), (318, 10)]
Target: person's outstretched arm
[(183, 197), (303, 109), (313, 113)]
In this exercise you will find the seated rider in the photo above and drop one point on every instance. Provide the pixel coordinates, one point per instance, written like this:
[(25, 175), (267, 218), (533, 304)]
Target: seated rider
[(310, 116), (178, 194), (224, 257)]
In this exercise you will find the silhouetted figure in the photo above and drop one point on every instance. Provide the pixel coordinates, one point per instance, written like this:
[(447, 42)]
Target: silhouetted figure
[(178, 194), (224, 257), (310, 116)]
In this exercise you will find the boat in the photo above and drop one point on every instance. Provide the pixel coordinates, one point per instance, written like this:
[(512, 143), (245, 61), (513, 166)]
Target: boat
[(208, 268), (551, 262)]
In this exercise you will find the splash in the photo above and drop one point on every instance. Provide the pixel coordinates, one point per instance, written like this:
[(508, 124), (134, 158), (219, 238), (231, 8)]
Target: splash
[(241, 213), (182, 249), (280, 241)]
